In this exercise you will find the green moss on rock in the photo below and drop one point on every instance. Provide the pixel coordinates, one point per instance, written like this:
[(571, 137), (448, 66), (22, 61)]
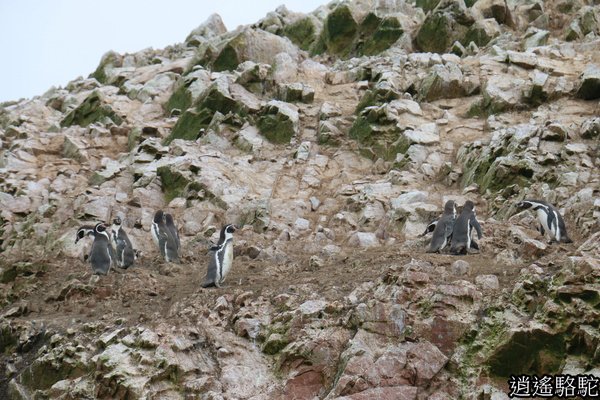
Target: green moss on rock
[(339, 31), (302, 32), (92, 109), (386, 34)]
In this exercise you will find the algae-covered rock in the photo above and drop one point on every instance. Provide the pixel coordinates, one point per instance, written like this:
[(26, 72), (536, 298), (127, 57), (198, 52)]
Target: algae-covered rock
[(482, 31), (339, 31), (427, 5), (93, 109), (443, 82), (249, 45), (447, 23), (278, 121), (304, 31), (378, 33), (216, 98), (187, 90), (109, 61)]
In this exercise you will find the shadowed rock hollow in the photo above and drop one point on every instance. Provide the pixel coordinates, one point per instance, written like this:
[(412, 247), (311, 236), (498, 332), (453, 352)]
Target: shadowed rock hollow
[(332, 139)]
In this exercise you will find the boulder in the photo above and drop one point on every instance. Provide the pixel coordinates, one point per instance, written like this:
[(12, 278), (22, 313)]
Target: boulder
[(496, 9), (278, 121), (249, 45), (212, 27), (481, 32), (340, 29), (93, 109), (589, 89), (445, 81), (303, 31), (447, 23)]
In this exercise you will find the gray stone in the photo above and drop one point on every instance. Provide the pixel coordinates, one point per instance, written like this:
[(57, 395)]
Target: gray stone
[(589, 88)]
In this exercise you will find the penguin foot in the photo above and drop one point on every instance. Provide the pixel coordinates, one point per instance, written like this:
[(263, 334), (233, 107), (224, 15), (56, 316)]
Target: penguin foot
[(208, 284)]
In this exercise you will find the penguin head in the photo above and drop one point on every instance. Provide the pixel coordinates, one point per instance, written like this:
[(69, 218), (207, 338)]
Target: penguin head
[(159, 217), (469, 206), (117, 221), (525, 204), (227, 233), (450, 207), (83, 232), (100, 229), (169, 219)]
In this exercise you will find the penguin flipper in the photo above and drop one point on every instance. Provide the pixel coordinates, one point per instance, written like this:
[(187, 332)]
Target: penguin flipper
[(474, 245), (542, 230), (476, 225)]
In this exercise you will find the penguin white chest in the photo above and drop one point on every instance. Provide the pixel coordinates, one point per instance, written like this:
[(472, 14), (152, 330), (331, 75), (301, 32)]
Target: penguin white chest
[(154, 230), (227, 260), (542, 217)]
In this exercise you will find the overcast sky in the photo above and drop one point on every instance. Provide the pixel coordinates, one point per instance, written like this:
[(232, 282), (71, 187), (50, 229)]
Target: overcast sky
[(49, 43)]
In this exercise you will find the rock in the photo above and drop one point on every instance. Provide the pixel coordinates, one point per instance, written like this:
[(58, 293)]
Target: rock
[(339, 31), (212, 27), (590, 128), (363, 239), (444, 82), (525, 60), (303, 31), (487, 282), (482, 32), (535, 38), (460, 267), (93, 109), (501, 94), (292, 92), (285, 69), (108, 62), (447, 23), (274, 343), (302, 224), (589, 88), (497, 9), (278, 121), (250, 45), (303, 151), (409, 198)]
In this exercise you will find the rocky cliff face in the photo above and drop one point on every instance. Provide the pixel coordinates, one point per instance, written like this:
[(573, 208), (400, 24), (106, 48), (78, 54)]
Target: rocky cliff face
[(332, 138)]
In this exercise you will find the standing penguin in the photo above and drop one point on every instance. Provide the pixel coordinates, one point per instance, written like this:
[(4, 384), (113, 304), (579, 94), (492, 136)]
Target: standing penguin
[(102, 255), (549, 218), (442, 233), (462, 240), (221, 258), (124, 249), (170, 224), (167, 244)]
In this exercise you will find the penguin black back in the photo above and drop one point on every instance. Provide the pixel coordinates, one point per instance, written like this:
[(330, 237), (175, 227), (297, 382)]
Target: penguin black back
[(102, 255), (162, 235), (442, 233), (549, 219), (125, 254), (170, 224), (221, 258), (462, 240)]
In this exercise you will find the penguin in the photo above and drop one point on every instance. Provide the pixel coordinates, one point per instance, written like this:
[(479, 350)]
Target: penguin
[(443, 228), (167, 244), (124, 250), (462, 240), (102, 255), (549, 218), (221, 258), (170, 224), (83, 232)]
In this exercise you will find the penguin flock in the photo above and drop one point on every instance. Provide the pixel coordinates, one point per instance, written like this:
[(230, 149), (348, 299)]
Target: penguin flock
[(102, 255), (451, 230), (457, 231)]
